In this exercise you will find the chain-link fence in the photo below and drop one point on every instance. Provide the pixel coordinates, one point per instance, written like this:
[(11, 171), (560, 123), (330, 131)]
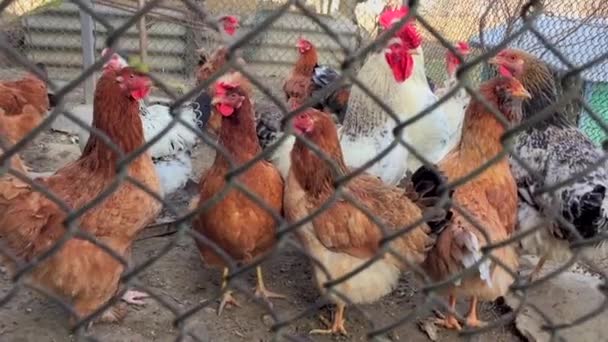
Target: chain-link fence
[(75, 242)]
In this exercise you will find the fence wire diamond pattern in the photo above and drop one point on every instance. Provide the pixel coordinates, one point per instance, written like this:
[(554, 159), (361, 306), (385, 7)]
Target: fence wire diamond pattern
[(164, 262)]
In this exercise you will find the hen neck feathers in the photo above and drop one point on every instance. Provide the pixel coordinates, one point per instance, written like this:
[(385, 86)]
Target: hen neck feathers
[(238, 134), (117, 115)]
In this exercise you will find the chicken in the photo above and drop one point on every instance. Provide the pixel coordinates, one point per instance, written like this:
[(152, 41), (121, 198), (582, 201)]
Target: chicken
[(398, 77), (556, 151), (6, 141), (308, 78), (365, 132), (18, 126), (490, 199), (457, 104), (209, 65), (172, 152), (27, 90), (242, 228), (342, 238), (80, 272)]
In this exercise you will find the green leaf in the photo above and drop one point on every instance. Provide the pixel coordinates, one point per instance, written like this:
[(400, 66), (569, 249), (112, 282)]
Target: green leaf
[(136, 63)]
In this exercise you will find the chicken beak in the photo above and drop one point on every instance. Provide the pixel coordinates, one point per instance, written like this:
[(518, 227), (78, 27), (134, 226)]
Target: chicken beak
[(215, 100), (494, 61), (521, 92), (413, 52)]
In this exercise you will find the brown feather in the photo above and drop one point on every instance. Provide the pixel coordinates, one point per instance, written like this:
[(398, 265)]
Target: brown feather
[(236, 223), (80, 272)]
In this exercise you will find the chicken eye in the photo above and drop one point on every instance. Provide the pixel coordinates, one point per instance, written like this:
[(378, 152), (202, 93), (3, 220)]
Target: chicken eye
[(131, 76)]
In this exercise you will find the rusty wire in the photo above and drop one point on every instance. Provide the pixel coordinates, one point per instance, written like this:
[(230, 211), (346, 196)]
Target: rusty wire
[(285, 229)]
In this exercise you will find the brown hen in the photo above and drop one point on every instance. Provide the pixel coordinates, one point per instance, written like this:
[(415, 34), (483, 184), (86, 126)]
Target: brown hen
[(242, 228), (14, 95), (342, 237), (490, 198), (209, 65), (80, 272)]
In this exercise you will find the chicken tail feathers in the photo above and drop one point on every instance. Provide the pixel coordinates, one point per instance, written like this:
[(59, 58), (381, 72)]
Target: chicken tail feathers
[(589, 213), (202, 109), (426, 187), (470, 251)]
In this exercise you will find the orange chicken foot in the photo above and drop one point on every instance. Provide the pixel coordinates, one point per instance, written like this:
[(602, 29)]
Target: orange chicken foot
[(472, 321), (262, 292), (449, 321), (135, 297), (227, 298), (337, 327)]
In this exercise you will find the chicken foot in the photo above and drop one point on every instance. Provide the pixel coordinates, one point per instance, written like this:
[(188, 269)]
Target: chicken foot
[(337, 327), (449, 321), (135, 297), (472, 321), (262, 292), (227, 297)]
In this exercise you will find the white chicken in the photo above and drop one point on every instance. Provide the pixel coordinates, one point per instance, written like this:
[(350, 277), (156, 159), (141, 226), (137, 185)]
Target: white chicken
[(456, 105), (171, 153), (368, 128)]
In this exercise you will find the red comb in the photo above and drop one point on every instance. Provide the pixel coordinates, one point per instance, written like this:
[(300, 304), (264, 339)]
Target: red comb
[(463, 47), (410, 36), (222, 87), (390, 16)]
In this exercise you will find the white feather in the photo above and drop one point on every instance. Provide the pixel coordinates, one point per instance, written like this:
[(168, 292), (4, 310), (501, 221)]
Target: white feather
[(174, 172), (172, 161), (472, 254), (368, 129), (178, 138)]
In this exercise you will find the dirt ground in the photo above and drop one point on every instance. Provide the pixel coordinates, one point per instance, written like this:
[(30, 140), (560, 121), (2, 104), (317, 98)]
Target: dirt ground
[(181, 280)]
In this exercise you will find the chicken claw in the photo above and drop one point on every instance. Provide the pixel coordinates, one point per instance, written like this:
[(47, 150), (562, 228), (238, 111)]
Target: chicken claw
[(135, 297), (337, 326), (227, 298), (449, 322), (262, 292)]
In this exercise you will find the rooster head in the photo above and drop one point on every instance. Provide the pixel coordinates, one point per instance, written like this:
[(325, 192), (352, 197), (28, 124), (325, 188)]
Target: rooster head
[(452, 61), (230, 24), (509, 62), (392, 15), (133, 83), (400, 60), (303, 45), (230, 93)]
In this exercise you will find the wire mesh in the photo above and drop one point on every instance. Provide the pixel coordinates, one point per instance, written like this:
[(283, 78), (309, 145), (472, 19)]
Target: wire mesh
[(568, 37)]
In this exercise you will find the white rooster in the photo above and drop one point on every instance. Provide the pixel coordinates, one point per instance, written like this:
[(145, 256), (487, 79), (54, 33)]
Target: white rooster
[(368, 129), (171, 153)]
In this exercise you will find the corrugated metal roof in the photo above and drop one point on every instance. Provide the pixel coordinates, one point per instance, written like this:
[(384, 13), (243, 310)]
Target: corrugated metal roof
[(578, 40)]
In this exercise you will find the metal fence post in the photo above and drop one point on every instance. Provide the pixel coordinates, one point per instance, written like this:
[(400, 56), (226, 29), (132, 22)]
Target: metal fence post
[(88, 50)]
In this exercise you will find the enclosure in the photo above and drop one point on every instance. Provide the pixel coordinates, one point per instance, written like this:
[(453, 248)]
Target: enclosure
[(171, 40)]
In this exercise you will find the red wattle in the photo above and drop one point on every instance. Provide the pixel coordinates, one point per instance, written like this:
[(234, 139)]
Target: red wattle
[(224, 109)]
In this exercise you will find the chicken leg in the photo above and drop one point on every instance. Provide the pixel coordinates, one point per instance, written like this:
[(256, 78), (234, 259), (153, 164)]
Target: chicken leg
[(449, 321), (337, 327), (472, 321), (536, 271), (227, 297), (262, 292)]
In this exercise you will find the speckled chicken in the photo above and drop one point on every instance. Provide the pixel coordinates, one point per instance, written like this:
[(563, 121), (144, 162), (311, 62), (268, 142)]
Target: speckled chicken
[(557, 151)]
